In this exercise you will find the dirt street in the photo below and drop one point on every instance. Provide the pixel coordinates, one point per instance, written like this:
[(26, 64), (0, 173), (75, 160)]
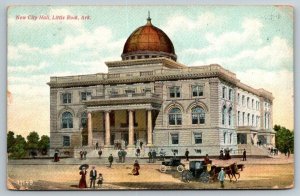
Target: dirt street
[(64, 177)]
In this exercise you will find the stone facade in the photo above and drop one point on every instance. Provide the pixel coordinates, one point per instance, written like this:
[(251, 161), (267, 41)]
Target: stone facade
[(119, 104)]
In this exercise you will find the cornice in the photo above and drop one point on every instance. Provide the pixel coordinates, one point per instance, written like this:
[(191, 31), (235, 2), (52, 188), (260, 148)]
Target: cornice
[(165, 61), (183, 73)]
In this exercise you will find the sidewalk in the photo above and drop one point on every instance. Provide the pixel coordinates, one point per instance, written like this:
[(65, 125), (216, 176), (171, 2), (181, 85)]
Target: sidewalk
[(277, 160)]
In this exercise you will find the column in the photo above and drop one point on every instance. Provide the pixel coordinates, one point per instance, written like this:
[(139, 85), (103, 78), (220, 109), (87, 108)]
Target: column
[(107, 128), (131, 130), (90, 129), (149, 128)]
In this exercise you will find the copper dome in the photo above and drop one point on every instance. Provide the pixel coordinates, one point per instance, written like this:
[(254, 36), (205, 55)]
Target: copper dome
[(148, 41)]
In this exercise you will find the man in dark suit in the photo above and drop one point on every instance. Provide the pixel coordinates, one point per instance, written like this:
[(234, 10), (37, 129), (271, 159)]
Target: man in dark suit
[(93, 177), (244, 155)]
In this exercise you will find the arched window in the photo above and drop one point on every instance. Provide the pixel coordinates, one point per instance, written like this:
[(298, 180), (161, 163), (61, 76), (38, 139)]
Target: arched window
[(67, 120), (84, 120), (225, 137), (198, 115), (230, 138), (223, 115), (175, 117), (229, 116)]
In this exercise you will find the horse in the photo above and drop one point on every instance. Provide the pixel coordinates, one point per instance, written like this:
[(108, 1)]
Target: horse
[(232, 171)]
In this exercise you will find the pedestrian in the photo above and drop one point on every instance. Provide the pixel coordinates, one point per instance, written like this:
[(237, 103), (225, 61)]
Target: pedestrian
[(162, 154), (110, 160), (120, 156), (97, 145), (84, 154), (138, 152), (81, 155), (221, 177), (82, 181), (187, 154), (124, 153), (100, 153), (136, 168), (221, 154), (56, 157), (244, 155), (100, 180), (93, 177), (150, 156), (206, 160), (153, 156), (141, 144)]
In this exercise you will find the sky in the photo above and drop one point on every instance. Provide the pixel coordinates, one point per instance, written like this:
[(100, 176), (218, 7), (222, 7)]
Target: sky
[(255, 42)]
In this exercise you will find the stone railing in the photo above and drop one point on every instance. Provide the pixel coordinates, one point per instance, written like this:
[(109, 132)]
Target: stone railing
[(129, 95)]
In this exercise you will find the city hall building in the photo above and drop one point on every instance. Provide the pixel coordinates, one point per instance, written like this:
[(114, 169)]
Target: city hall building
[(149, 99)]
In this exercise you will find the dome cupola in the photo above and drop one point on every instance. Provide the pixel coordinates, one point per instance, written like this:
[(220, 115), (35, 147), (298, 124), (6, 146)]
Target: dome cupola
[(148, 41)]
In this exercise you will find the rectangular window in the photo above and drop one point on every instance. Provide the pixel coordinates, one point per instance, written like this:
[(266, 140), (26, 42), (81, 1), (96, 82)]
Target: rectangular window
[(197, 91), (84, 95), (66, 97), (224, 92), (248, 119), (252, 103), (243, 100), (174, 92), (198, 138), (238, 118), (66, 140), (243, 118), (248, 102), (174, 138), (230, 94)]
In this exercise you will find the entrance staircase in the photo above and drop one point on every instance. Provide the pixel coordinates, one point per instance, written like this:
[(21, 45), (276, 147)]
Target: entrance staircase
[(254, 150)]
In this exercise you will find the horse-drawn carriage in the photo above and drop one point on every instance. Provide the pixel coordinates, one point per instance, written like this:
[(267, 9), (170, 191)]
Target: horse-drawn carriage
[(197, 170), (206, 172), (171, 165)]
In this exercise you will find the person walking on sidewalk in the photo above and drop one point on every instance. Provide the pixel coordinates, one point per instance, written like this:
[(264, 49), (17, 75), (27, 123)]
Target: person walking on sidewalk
[(110, 160), (150, 156), (221, 177), (187, 154), (244, 155)]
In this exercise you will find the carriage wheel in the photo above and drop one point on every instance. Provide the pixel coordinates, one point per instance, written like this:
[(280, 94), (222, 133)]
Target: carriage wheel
[(204, 177), (180, 168), (186, 176), (163, 168)]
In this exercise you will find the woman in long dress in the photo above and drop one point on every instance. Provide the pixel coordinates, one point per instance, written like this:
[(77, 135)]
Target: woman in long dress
[(82, 181), (136, 168)]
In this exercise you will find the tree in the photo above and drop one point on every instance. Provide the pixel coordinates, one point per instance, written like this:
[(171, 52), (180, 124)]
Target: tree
[(284, 139), (10, 141), (18, 150), (33, 140), (44, 144)]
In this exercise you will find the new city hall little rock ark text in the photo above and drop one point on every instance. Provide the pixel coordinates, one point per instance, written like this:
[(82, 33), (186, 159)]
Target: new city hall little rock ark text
[(150, 101)]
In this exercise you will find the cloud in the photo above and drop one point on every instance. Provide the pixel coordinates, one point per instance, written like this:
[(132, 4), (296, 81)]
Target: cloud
[(280, 83), (180, 22), (28, 68), (20, 51), (250, 35), (274, 55)]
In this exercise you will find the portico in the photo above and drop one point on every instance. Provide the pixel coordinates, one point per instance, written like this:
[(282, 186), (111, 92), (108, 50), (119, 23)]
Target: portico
[(125, 125)]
